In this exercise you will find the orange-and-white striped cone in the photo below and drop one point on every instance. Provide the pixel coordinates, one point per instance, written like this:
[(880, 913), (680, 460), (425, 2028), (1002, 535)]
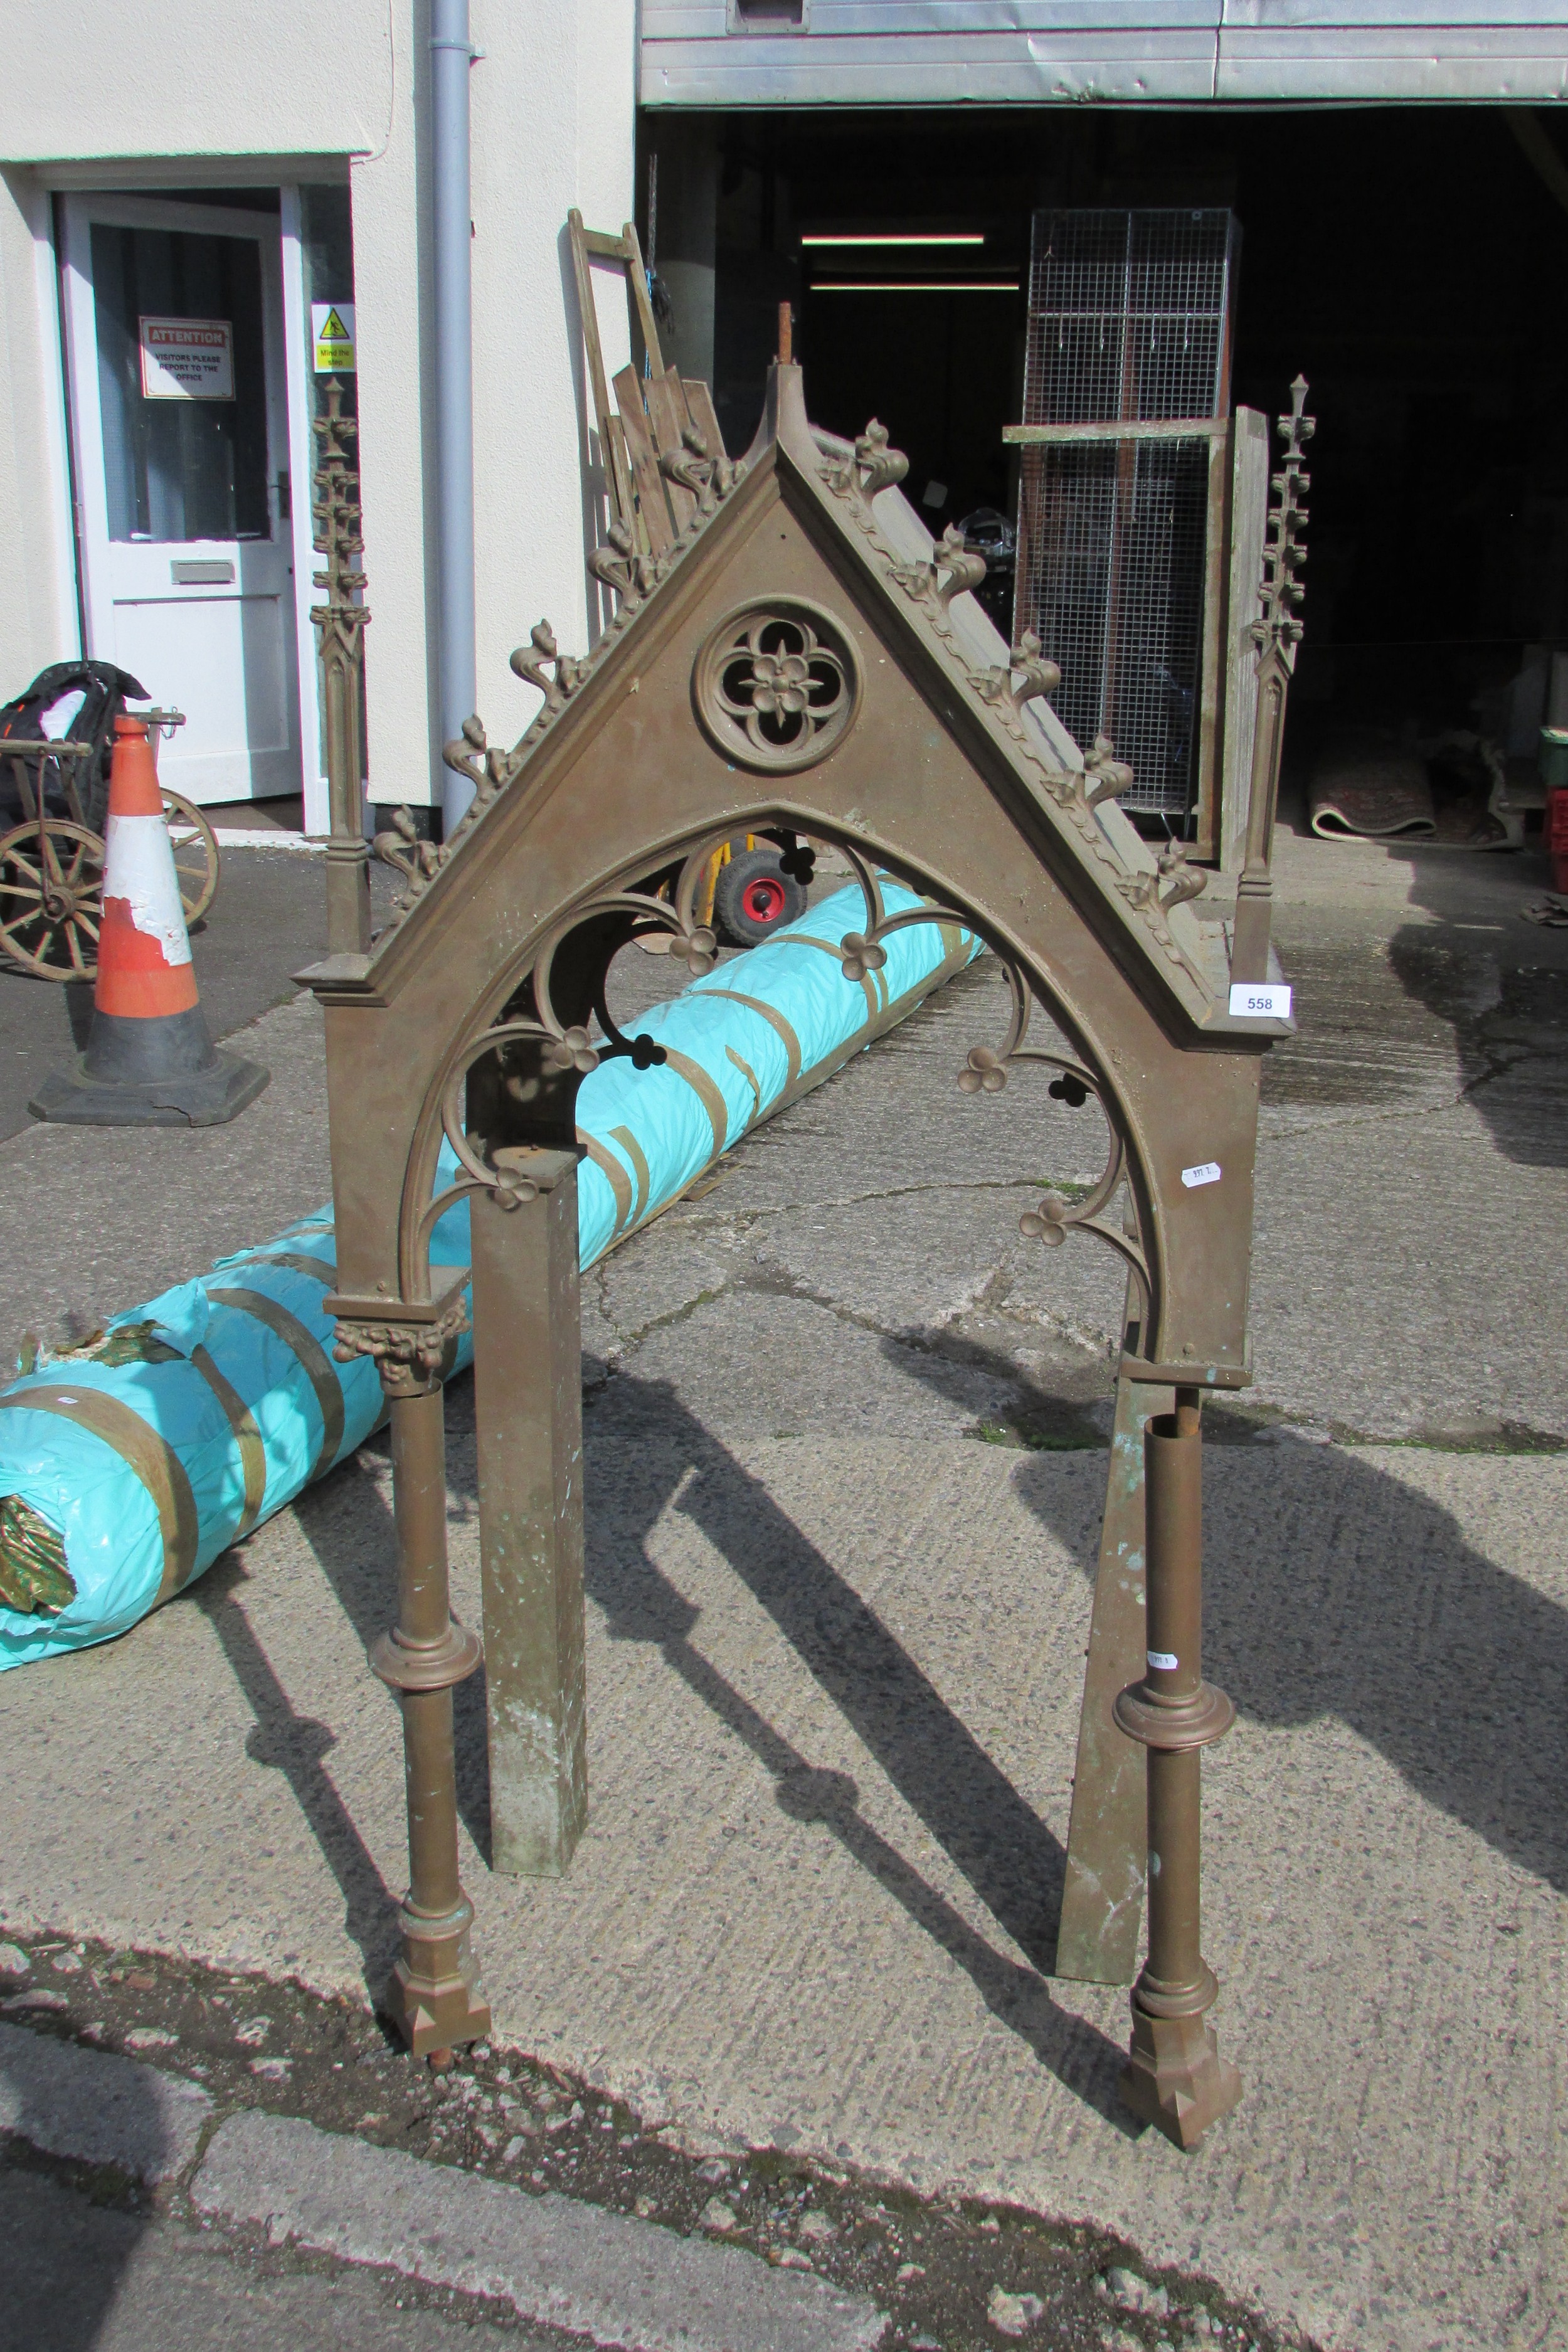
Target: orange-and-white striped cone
[(149, 1059)]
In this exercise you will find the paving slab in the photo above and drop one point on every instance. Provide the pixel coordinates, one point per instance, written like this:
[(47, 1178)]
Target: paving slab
[(94, 1220)]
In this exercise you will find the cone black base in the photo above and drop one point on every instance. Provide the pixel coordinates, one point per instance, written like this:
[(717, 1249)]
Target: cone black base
[(122, 1049), (204, 1097)]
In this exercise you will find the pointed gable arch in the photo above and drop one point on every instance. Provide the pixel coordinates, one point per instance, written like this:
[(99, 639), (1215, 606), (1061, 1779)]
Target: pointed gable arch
[(807, 660)]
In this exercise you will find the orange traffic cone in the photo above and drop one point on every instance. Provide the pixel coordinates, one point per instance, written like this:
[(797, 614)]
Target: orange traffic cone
[(149, 1059)]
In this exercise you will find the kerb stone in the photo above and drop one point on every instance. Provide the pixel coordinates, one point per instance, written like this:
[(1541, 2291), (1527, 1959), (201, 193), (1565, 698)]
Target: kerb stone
[(556, 2262), (96, 2108)]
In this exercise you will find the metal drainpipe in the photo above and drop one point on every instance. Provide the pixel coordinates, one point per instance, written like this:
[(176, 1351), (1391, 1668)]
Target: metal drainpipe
[(451, 58)]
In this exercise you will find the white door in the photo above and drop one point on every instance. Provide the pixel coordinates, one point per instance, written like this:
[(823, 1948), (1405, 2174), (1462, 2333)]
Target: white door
[(179, 406)]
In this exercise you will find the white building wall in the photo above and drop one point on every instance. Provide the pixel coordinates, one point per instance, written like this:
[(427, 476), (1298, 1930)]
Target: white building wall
[(553, 125), (252, 90), (552, 99), (392, 310), (99, 77)]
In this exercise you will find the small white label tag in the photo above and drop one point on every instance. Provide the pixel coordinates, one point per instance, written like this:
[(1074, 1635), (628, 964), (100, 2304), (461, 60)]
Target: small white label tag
[(1251, 1002), (1166, 1660), (1209, 1173)]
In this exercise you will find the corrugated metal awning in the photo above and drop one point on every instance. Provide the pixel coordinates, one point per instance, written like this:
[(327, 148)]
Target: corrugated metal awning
[(1182, 52)]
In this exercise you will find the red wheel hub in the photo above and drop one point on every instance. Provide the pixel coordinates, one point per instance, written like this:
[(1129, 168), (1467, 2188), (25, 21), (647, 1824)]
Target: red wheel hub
[(764, 899)]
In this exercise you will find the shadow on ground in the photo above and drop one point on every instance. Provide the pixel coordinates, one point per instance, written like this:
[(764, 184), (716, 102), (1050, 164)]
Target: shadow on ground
[(659, 1451), (1331, 1588), (296, 1746), (1511, 1035), (1379, 996)]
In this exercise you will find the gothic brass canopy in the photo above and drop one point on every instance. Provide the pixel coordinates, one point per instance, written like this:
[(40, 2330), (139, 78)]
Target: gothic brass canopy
[(790, 654)]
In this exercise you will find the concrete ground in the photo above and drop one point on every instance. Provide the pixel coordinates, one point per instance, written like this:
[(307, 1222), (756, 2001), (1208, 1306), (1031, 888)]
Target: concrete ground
[(835, 1639)]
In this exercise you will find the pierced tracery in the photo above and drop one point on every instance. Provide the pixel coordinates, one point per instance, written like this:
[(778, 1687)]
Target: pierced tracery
[(776, 685), (569, 1049)]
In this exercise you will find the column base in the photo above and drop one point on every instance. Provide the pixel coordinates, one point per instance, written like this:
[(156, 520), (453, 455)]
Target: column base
[(435, 1998), (1175, 2078)]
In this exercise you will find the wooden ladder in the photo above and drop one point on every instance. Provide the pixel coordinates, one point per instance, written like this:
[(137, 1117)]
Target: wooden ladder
[(658, 413)]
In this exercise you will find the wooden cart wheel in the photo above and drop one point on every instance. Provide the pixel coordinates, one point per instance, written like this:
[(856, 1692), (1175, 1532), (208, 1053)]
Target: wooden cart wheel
[(51, 880), (195, 853)]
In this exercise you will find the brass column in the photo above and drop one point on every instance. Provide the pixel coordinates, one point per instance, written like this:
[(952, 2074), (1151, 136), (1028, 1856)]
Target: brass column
[(1175, 2077), (434, 1996)]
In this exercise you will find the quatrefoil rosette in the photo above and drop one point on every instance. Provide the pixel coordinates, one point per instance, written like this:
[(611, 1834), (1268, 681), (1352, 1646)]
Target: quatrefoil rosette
[(776, 685)]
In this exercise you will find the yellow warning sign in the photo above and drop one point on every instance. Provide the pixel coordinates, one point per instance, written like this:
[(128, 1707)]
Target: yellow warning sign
[(332, 337)]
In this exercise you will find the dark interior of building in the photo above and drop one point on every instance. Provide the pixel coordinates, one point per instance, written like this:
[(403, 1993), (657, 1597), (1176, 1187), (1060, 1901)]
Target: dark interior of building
[(1408, 261)]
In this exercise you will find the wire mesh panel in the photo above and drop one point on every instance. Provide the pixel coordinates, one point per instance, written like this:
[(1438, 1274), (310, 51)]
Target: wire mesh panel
[(1129, 323)]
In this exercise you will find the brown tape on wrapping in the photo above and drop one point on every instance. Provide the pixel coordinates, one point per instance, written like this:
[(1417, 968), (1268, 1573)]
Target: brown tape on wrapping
[(319, 1269), (775, 1021), (876, 998), (247, 1436), (615, 1175), (706, 1094), (638, 1157), (312, 1357)]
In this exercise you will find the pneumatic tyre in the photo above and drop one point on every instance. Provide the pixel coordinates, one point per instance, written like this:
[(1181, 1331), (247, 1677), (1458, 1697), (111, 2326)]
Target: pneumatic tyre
[(754, 897)]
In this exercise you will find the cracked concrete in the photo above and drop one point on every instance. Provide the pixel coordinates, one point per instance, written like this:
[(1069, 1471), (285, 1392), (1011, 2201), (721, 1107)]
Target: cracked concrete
[(834, 1646)]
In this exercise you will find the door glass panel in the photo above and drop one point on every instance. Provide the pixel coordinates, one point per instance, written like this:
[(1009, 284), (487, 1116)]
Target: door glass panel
[(180, 468)]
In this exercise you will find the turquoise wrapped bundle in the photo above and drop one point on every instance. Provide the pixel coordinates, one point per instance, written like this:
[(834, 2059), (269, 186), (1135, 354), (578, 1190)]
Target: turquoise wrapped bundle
[(127, 1465)]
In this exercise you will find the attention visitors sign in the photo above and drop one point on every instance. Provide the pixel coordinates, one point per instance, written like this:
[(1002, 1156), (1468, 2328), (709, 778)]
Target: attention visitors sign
[(187, 359)]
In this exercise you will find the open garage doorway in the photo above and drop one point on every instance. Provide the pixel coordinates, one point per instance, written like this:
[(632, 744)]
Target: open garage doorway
[(1404, 259)]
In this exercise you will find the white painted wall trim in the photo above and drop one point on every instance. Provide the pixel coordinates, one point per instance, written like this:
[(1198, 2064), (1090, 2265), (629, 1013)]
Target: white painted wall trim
[(258, 78), (302, 483), (67, 614), (38, 619), (156, 173)]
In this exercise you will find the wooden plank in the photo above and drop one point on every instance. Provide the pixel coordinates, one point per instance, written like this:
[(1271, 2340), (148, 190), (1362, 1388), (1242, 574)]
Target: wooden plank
[(617, 479), (1211, 667), (653, 504), (1102, 1898), (1155, 428), (621, 461), (642, 308)]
